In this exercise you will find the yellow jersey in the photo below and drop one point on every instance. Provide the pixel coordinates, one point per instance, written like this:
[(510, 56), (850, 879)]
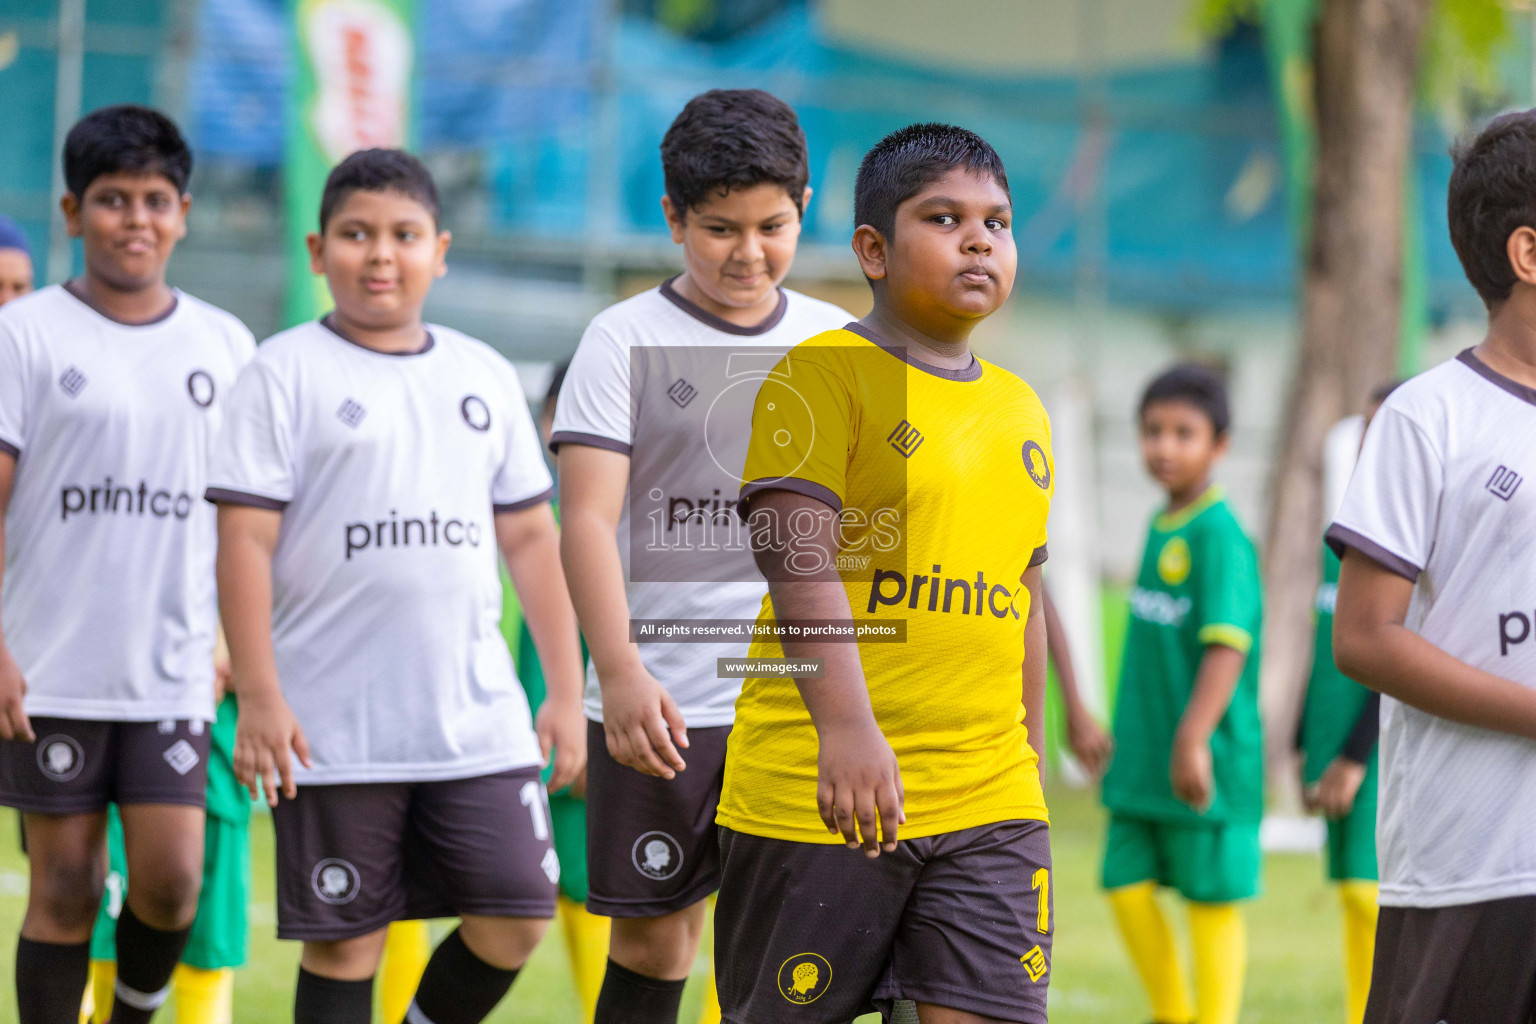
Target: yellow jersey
[(942, 481)]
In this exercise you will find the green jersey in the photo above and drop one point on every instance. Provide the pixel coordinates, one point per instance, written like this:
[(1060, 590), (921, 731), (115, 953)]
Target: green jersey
[(1334, 701), (1198, 586)]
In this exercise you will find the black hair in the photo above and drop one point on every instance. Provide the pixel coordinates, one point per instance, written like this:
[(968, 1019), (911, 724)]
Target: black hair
[(909, 160), (379, 170), (1192, 384), (552, 393), (1493, 192), (126, 138), (733, 138)]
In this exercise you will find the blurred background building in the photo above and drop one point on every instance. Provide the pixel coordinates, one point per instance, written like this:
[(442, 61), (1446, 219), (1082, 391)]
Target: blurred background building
[(1144, 149)]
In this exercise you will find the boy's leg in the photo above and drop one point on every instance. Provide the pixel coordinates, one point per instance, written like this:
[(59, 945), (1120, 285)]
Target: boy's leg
[(67, 858), (586, 934), (164, 844), (804, 931), (974, 939), (407, 948), (1359, 900), (336, 980), (1215, 867), (653, 858), (104, 934), (203, 985), (204, 996), (1220, 941), (1131, 875), (709, 1009), (481, 847)]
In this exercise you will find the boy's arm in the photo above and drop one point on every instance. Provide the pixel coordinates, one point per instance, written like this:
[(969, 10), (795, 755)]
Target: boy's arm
[(530, 544), (1215, 682), (1036, 630), (14, 724), (858, 790), (1371, 645), (1090, 744), (641, 722), (267, 728)]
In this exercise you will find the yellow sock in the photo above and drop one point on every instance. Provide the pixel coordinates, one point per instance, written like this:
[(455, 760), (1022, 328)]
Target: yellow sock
[(1359, 900), (202, 996), (1153, 950), (407, 948), (1220, 940), (709, 1009), (99, 993), (586, 940)]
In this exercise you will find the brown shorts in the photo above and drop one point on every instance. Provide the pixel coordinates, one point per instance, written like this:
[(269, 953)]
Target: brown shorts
[(818, 934), (78, 766), (1474, 963), (652, 847), (353, 858)]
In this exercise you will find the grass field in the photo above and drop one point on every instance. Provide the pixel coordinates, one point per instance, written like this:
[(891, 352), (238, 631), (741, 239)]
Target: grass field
[(1294, 975)]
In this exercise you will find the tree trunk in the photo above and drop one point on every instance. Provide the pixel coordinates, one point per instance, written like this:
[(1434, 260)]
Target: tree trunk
[(1365, 64)]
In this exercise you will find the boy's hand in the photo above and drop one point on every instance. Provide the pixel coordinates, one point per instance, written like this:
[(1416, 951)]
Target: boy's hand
[(14, 724), (858, 787), (1334, 795), (642, 725), (562, 726), (264, 734), (1090, 744), (1191, 773)]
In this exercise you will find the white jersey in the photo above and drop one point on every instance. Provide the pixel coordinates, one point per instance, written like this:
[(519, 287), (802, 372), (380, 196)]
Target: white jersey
[(386, 594), (1440, 497), (108, 602), (672, 386)]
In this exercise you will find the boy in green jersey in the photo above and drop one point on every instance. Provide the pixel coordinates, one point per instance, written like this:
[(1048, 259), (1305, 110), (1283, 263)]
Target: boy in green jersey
[(1340, 720), (1185, 789)]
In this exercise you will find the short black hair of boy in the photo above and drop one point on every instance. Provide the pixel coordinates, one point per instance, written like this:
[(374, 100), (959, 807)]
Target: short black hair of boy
[(1192, 384), (379, 170), (1493, 192), (733, 138), (127, 139), (909, 160)]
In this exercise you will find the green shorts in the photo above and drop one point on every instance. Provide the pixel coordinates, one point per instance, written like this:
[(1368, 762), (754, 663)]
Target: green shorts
[(568, 815), (1352, 838), (1215, 863), (220, 937)]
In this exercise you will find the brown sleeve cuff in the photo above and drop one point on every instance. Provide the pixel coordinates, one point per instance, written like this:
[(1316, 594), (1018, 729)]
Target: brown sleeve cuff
[(794, 485), (225, 496), (561, 437), (1341, 537)]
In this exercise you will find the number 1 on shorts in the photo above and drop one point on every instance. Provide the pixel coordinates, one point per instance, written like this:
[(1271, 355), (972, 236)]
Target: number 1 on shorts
[(532, 796), (1042, 883)]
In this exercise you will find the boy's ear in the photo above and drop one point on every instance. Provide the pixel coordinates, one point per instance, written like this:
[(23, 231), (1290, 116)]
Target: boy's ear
[(1521, 249), (805, 203), (316, 245), (69, 204), (440, 262), (1223, 442), (674, 219), (186, 207), (870, 247)]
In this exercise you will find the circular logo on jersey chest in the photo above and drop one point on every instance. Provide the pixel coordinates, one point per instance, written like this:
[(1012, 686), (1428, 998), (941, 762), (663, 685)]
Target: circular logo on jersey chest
[(476, 413), (200, 387), (336, 881), (1173, 561), (657, 856), (60, 757), (1036, 464), (804, 977)]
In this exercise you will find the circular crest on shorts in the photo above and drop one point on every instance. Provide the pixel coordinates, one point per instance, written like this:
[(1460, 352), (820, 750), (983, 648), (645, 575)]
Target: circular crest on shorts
[(476, 413), (1036, 465), (200, 387), (60, 757), (336, 881), (804, 977), (657, 855)]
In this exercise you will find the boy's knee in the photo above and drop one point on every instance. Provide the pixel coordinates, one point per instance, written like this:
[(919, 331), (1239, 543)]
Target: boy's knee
[(67, 894), (658, 947), (504, 942), (345, 959), (167, 899)]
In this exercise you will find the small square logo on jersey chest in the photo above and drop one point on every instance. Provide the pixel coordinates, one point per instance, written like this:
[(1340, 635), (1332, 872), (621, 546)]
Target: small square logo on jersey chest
[(905, 438), (351, 413), (1504, 483), (682, 392), (72, 382)]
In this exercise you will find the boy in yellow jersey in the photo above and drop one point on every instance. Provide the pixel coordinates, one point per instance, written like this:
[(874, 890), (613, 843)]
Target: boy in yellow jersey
[(1185, 789), (896, 480)]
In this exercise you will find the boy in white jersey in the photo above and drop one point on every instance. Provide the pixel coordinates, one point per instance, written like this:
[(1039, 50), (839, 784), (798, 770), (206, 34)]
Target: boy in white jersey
[(1437, 595), (112, 389), (371, 468), (651, 433)]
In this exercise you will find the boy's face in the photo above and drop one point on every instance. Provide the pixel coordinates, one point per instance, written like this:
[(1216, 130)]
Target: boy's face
[(1179, 444), (951, 257), (130, 224), (379, 254), (738, 247), (15, 274)]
